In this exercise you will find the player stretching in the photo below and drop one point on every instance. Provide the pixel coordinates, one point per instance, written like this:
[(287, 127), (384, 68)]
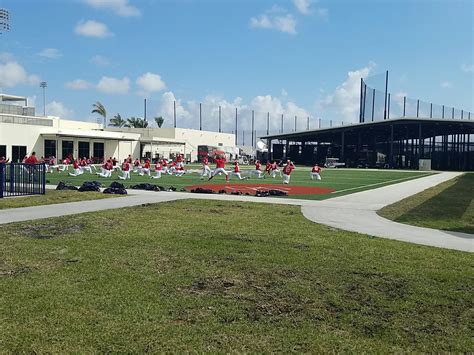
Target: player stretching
[(316, 172), (77, 169), (237, 171), (206, 170), (268, 167), (125, 170), (274, 169), (258, 170), (106, 169), (287, 170), (220, 168), (158, 170), (145, 169)]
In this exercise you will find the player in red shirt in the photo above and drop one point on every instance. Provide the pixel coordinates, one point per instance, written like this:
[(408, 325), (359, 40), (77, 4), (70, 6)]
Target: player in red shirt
[(274, 169), (220, 168), (268, 167), (164, 162), (106, 169), (146, 168), (3, 160), (316, 172), (158, 170), (125, 170), (179, 171), (287, 170), (77, 169), (206, 170), (137, 166), (180, 160), (258, 170), (31, 159), (237, 171), (65, 165)]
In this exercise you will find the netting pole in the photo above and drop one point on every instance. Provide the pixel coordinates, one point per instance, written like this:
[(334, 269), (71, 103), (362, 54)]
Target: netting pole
[(388, 107), (417, 108), (386, 92), (220, 120), (281, 123), (431, 110), (373, 104), (236, 115), (174, 113), (307, 124), (404, 105), (361, 99), (200, 117), (296, 118), (253, 122), (268, 123)]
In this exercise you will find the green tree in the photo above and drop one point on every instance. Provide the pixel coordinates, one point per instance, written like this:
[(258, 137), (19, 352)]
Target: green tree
[(159, 121), (100, 110), (117, 121), (136, 122)]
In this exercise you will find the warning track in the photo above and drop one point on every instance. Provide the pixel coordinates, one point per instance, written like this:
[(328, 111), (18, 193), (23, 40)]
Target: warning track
[(252, 188)]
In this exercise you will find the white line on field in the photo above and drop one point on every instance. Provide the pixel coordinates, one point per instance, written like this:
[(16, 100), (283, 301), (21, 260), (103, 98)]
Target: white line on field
[(378, 183)]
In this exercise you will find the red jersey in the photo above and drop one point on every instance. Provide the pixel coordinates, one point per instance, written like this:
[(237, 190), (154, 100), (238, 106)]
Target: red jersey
[(236, 169), (158, 167), (288, 169), (268, 166), (173, 164), (220, 163), (205, 161), (147, 165), (31, 160), (258, 165), (180, 168), (274, 166), (179, 158), (126, 166), (165, 163), (316, 169), (74, 163), (136, 162)]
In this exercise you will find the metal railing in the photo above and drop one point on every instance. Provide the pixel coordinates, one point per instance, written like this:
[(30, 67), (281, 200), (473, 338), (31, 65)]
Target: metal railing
[(18, 179)]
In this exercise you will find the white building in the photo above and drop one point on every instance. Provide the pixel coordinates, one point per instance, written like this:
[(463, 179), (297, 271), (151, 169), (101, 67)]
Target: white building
[(21, 133)]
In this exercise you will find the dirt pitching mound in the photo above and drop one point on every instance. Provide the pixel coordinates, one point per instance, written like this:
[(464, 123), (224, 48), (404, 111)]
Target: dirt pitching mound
[(252, 188)]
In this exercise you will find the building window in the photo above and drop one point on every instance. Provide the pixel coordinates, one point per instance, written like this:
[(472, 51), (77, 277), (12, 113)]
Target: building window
[(18, 153), (67, 149), (84, 150), (98, 152), (3, 151), (49, 148)]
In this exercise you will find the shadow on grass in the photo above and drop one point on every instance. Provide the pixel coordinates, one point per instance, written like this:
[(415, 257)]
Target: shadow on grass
[(453, 205)]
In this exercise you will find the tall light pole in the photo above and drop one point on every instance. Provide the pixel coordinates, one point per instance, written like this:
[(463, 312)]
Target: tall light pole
[(44, 85)]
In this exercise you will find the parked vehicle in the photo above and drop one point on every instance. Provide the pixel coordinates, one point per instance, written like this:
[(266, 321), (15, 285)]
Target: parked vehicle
[(333, 163)]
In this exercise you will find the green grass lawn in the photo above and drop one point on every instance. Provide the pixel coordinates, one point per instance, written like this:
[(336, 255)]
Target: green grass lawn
[(51, 197), (209, 276), (448, 206), (344, 180)]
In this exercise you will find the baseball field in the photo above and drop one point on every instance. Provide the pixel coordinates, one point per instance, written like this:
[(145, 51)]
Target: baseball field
[(335, 182)]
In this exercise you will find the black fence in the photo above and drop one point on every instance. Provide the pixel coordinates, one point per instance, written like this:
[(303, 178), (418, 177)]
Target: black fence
[(18, 179), (379, 105)]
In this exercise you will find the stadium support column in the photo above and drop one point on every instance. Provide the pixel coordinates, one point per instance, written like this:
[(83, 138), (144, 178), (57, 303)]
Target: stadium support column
[(390, 158), (421, 143), (342, 146)]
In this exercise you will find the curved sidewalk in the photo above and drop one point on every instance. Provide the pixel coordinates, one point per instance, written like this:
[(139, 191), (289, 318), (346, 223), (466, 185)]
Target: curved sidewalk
[(355, 212)]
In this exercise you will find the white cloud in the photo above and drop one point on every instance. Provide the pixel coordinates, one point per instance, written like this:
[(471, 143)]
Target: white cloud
[(149, 83), (113, 85), (92, 28), (345, 100), (78, 84), (56, 108), (100, 61), (446, 85), (6, 57), (13, 74), (285, 24), (119, 7), (303, 6), (467, 68), (50, 53)]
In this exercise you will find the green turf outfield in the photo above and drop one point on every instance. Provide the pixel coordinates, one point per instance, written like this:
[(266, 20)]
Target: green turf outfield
[(344, 181)]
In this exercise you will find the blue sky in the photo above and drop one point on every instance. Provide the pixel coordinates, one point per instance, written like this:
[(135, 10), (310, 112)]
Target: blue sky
[(291, 57)]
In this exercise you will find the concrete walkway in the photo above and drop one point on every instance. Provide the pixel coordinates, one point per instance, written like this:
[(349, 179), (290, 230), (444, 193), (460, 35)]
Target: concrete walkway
[(355, 212)]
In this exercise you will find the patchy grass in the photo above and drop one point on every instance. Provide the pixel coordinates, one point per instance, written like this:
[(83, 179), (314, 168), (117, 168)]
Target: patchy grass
[(344, 181), (225, 277), (448, 206), (51, 197)]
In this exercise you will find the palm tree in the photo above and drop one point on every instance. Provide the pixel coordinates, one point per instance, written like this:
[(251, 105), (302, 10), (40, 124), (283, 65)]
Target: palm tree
[(136, 122), (159, 121), (117, 121), (100, 110)]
